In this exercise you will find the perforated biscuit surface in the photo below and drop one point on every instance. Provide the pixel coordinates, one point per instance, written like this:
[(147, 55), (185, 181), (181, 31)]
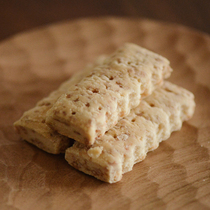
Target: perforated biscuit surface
[(108, 93)]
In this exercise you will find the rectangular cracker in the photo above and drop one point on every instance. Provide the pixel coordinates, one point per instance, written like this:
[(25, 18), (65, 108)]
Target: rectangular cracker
[(141, 131), (108, 93), (32, 126)]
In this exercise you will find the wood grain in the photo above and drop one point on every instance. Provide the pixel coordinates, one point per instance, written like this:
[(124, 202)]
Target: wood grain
[(32, 64)]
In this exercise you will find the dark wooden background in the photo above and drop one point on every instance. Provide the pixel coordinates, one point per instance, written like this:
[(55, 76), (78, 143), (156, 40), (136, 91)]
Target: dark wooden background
[(21, 15)]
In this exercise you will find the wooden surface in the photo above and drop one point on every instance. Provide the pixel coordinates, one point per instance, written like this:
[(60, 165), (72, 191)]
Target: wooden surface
[(18, 16), (175, 176)]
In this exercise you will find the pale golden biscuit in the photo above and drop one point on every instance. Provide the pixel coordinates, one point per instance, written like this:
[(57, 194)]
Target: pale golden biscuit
[(108, 93), (32, 126), (141, 131)]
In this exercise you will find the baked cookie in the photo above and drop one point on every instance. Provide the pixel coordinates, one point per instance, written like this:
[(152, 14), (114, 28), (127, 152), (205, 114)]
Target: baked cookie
[(32, 126), (133, 136), (108, 93)]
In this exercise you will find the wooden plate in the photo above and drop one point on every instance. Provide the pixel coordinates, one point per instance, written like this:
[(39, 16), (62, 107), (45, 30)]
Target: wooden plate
[(175, 176)]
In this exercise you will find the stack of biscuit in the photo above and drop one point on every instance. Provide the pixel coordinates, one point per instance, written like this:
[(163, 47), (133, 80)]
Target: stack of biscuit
[(107, 117)]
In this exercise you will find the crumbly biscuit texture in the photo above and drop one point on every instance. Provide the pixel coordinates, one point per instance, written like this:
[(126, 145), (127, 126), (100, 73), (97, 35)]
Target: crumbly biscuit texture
[(108, 93), (141, 131), (32, 125)]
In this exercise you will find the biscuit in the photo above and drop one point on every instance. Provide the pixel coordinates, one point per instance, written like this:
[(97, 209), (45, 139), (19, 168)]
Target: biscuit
[(108, 93), (141, 131), (32, 126)]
